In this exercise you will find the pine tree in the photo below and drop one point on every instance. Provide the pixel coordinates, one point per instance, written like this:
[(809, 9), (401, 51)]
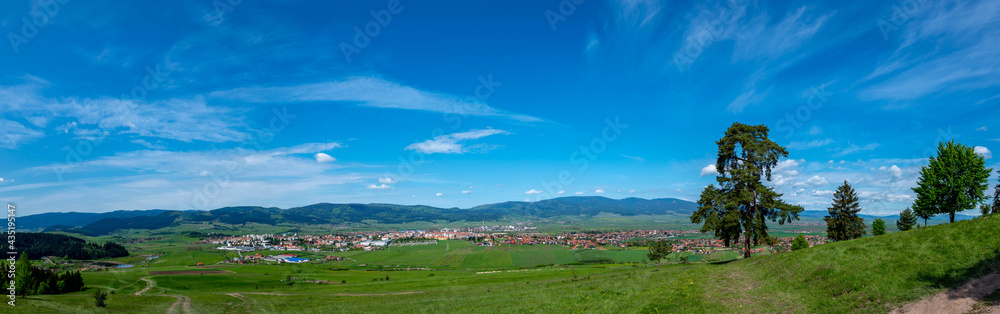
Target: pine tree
[(799, 243), (878, 227), (843, 222), (953, 181), (906, 220), (742, 204), (658, 250), (996, 197)]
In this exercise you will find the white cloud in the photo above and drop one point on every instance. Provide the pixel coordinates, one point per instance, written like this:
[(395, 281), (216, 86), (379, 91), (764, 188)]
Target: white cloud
[(387, 180), (822, 192), (815, 130), (982, 128), (814, 181), (1, 179), (371, 92), (810, 144), (533, 191), (578, 193), (709, 171), (598, 191), (451, 143), (379, 187), (467, 192), (896, 172), (324, 158), (982, 150), (560, 192), (631, 191), (13, 134), (439, 194), (148, 144), (855, 148)]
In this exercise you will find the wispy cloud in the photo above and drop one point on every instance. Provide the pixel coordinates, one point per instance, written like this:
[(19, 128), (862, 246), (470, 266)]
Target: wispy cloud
[(452, 143), (370, 92)]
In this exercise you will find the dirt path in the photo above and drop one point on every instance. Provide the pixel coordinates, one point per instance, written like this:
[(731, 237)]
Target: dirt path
[(959, 300), (182, 301), (149, 285), (243, 300)]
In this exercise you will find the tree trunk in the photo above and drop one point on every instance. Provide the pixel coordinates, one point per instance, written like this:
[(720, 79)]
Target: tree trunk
[(746, 254), (952, 216)]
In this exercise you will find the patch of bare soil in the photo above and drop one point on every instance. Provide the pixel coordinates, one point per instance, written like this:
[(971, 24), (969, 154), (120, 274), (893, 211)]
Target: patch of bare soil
[(959, 300), (188, 272)]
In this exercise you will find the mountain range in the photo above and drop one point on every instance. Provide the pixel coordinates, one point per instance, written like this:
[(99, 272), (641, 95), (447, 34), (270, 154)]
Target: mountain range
[(325, 213)]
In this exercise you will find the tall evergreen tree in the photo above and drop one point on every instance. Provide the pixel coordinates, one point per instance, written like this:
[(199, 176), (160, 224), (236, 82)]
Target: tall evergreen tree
[(842, 221), (954, 181), (996, 196), (799, 243), (906, 220), (742, 203), (878, 227)]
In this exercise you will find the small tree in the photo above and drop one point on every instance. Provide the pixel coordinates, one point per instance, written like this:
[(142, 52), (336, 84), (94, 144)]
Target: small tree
[(22, 272), (996, 197), (843, 222), (955, 180), (99, 297), (906, 220), (799, 243), (658, 250), (878, 227)]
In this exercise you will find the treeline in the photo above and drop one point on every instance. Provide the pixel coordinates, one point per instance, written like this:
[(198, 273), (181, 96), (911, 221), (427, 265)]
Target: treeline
[(30, 280), (37, 245)]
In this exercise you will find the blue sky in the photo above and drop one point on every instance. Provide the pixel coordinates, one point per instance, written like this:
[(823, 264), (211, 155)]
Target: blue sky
[(194, 105)]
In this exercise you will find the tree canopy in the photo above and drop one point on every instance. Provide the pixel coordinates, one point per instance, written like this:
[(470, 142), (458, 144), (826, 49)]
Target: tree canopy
[(799, 243), (906, 220), (878, 227), (742, 204), (842, 222), (954, 181), (658, 250)]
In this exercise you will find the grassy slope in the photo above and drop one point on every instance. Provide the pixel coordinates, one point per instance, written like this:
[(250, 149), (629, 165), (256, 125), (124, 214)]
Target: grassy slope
[(865, 275)]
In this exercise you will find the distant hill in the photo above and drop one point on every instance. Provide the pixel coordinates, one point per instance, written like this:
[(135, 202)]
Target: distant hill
[(822, 213), (75, 219), (325, 213)]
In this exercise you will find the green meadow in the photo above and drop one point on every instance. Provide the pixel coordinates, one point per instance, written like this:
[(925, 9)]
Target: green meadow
[(868, 275)]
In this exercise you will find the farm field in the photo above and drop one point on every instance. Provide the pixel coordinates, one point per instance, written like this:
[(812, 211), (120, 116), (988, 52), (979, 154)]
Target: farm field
[(872, 274)]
